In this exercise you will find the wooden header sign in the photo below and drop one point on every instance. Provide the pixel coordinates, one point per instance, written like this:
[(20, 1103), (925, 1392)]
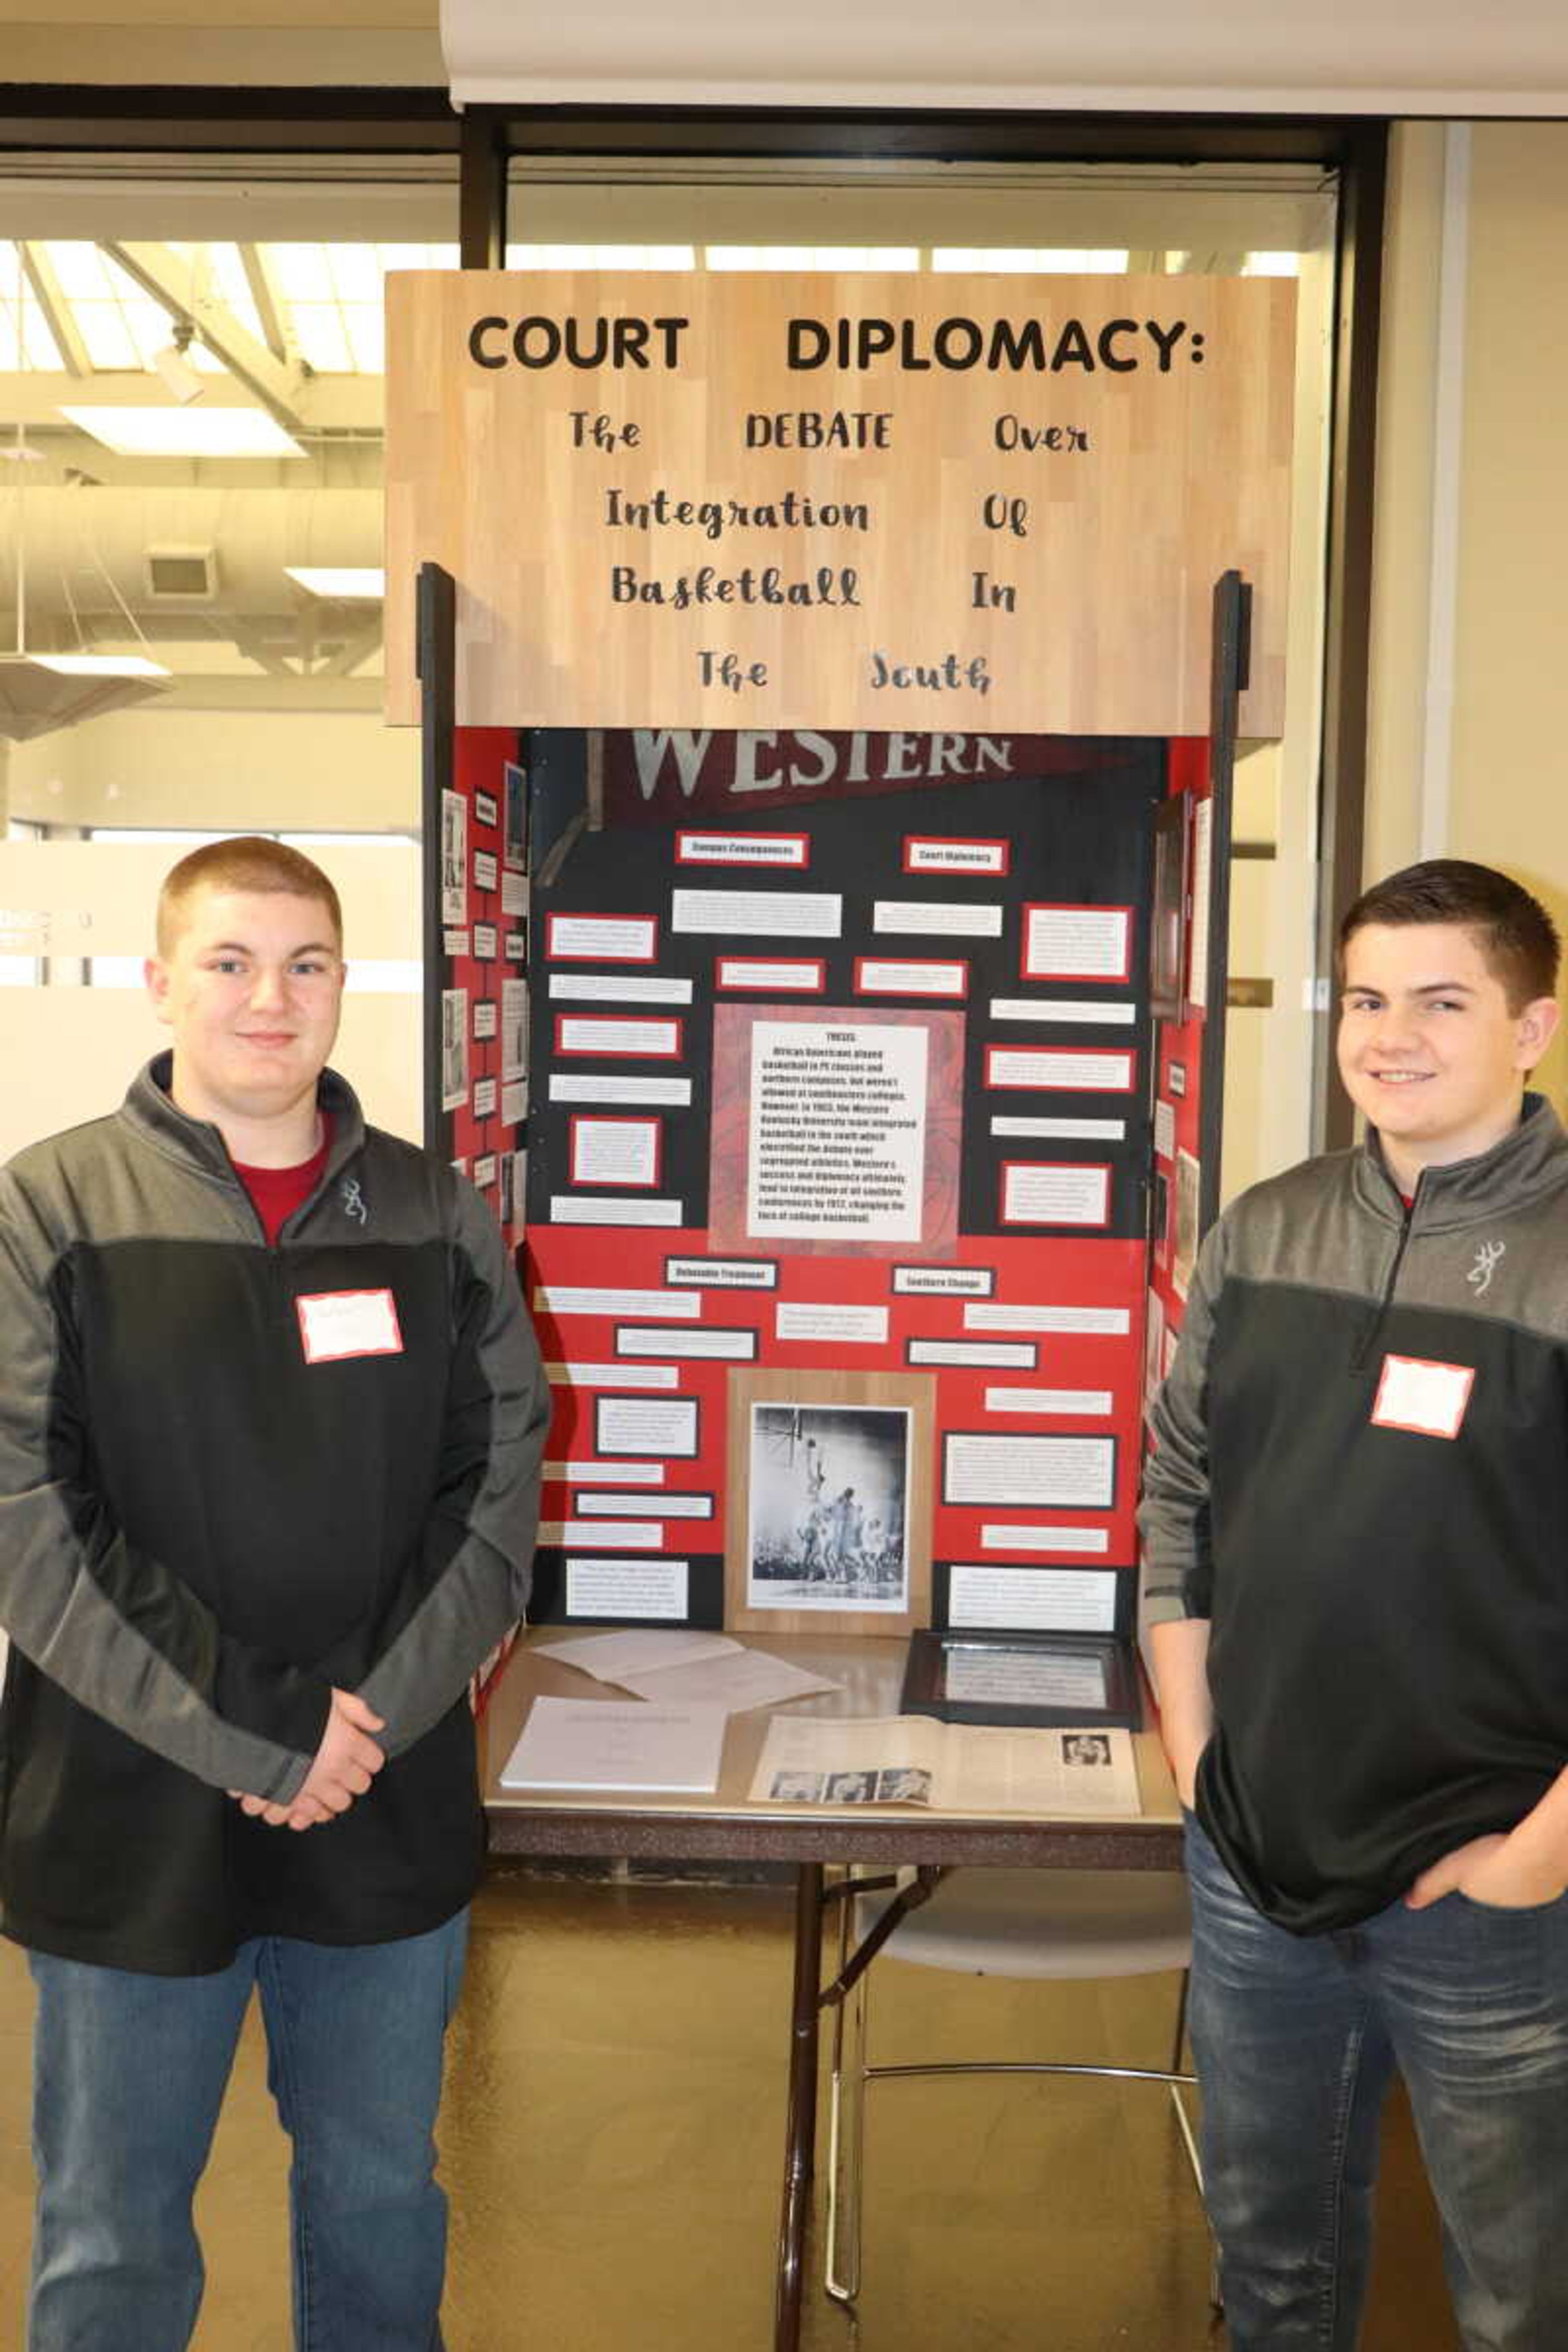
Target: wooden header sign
[(885, 502)]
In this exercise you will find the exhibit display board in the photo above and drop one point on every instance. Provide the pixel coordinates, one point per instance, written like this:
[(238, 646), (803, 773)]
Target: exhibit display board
[(837, 1170), (476, 1088), (823, 710), (1184, 955), (768, 500)]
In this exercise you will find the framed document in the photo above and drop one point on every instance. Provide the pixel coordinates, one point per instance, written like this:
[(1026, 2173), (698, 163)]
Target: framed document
[(1066, 1679)]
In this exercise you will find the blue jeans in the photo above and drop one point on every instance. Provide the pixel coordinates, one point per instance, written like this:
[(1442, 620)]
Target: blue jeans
[(1296, 2037), (129, 2072)]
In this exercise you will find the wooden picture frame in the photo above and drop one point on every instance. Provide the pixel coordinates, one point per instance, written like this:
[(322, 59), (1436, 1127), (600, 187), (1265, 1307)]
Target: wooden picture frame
[(829, 1492)]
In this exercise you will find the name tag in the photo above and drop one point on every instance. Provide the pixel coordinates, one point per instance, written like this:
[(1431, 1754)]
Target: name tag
[(337, 1323), (1428, 1399)]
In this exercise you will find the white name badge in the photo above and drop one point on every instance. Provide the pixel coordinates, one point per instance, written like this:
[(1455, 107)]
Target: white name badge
[(337, 1323), (1428, 1399)]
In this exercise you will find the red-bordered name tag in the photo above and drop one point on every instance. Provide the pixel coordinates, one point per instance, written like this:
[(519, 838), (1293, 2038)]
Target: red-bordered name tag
[(334, 1324), (1427, 1399)]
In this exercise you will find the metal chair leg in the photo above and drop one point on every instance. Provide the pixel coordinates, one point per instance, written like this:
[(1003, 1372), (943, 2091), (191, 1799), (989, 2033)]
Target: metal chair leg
[(1183, 2121), (847, 2127), (1189, 2140)]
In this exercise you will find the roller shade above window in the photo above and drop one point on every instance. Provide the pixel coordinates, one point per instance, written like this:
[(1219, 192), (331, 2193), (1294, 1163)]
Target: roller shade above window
[(1346, 57)]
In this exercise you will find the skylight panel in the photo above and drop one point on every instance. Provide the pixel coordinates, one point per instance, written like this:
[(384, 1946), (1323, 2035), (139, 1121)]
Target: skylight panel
[(365, 328), (25, 340), (355, 271), (321, 335), (1045, 260), (299, 273), (226, 278), (601, 257), (888, 258)]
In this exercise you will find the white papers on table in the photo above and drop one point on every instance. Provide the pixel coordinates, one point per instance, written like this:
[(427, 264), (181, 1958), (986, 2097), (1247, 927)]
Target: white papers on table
[(962, 1768), (751, 1679), (689, 1669), (610, 1656), (600, 1744)]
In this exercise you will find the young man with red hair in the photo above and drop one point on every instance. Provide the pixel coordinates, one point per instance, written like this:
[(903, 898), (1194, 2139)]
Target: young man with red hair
[(270, 1446)]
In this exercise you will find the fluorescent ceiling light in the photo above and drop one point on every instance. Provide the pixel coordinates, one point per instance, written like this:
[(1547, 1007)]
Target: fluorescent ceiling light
[(101, 665), (185, 432), (348, 583)]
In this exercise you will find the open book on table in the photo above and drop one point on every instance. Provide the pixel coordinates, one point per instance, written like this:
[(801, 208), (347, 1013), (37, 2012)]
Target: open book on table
[(905, 1759)]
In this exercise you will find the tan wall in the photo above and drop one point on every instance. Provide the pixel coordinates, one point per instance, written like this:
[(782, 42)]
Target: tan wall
[(1402, 549), (1467, 745), (261, 42), (282, 771), (1510, 792)]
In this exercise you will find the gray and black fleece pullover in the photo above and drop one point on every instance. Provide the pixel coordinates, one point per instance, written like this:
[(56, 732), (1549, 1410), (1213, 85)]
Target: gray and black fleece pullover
[(202, 1530), (1361, 1478)]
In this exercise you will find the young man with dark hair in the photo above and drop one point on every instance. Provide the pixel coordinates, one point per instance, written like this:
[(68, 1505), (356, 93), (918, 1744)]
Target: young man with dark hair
[(270, 1446), (1356, 1530)]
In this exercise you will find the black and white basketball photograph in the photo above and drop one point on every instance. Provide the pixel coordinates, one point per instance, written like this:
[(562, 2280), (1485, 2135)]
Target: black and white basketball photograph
[(829, 1507)]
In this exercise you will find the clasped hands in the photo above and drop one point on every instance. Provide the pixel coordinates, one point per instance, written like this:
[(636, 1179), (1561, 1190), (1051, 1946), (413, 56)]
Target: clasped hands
[(344, 1766)]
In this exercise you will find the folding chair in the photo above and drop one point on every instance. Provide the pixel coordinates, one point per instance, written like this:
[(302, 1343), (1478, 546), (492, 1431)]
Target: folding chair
[(1058, 1924)]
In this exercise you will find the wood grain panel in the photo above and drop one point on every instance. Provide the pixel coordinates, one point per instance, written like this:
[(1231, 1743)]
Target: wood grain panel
[(1170, 402)]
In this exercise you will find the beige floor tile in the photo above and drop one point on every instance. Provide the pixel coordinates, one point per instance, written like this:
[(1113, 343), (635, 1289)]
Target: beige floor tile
[(612, 2141)]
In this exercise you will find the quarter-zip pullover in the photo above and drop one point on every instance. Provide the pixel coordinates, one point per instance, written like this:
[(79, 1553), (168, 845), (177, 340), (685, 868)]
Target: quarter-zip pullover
[(208, 1520), (1361, 1477)]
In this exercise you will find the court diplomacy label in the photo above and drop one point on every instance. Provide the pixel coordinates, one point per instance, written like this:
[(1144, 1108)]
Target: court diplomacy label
[(795, 501)]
